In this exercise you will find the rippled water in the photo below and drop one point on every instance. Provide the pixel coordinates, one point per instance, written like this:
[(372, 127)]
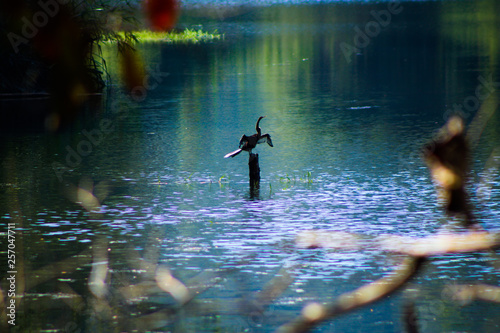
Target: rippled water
[(345, 158)]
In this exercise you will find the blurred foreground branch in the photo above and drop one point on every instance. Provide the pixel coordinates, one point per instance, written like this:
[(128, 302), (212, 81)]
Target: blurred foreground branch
[(313, 314), (437, 244), (447, 157), (467, 293), (58, 269)]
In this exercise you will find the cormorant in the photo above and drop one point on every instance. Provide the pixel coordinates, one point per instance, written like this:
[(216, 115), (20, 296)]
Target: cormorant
[(247, 143)]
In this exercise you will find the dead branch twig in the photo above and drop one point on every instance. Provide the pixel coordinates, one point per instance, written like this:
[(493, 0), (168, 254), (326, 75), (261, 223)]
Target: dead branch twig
[(467, 293), (436, 244), (314, 314)]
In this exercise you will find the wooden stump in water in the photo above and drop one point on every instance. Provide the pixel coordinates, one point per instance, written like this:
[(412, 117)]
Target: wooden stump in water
[(253, 166)]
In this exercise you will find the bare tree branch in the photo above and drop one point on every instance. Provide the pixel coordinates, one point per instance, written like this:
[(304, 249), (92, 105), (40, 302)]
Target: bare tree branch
[(467, 293), (313, 314), (441, 243), (437, 244), (57, 269)]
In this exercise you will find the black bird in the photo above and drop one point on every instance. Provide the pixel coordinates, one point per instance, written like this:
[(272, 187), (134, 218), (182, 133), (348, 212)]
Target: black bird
[(247, 143)]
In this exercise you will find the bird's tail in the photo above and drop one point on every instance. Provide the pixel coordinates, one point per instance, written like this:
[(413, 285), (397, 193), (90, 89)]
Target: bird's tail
[(234, 153)]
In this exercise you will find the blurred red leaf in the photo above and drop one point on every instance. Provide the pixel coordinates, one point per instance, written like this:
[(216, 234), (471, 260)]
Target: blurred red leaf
[(162, 14)]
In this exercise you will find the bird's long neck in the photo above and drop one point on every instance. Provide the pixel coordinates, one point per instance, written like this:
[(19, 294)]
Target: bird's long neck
[(257, 128)]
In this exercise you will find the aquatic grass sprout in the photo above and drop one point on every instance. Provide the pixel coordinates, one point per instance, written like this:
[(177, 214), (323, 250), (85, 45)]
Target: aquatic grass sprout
[(224, 179), (291, 180)]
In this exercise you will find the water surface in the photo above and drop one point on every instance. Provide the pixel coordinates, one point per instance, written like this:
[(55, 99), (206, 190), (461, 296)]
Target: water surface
[(347, 132)]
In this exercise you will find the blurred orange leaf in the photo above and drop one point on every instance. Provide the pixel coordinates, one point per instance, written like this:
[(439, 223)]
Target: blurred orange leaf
[(132, 67)]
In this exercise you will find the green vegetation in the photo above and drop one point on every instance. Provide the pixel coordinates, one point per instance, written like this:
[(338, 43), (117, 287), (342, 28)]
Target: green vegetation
[(186, 36), (290, 181), (224, 179)]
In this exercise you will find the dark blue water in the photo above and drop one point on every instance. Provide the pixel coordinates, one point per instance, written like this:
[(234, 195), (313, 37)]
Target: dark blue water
[(347, 131)]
